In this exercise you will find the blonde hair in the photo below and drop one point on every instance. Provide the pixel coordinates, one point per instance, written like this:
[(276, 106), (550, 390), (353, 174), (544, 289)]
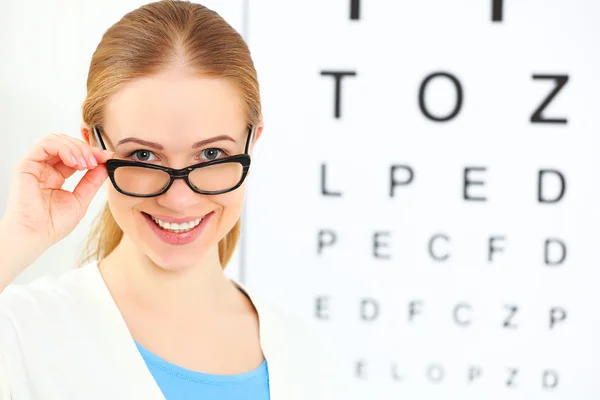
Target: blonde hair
[(147, 41)]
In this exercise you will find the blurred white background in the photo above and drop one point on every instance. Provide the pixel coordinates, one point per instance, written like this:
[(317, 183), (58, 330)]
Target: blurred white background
[(392, 47)]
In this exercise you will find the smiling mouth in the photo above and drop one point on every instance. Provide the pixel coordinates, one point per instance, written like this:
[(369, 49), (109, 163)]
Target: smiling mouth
[(175, 227)]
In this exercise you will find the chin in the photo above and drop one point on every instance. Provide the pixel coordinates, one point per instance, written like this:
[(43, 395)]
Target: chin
[(173, 262), (178, 251), (179, 258)]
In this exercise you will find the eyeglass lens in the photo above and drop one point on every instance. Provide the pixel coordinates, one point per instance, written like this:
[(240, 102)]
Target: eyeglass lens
[(146, 181)]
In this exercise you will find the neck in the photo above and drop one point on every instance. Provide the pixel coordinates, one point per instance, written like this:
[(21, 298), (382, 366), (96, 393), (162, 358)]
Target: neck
[(202, 288)]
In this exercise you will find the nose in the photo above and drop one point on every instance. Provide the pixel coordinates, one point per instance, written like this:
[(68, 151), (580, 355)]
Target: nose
[(179, 197)]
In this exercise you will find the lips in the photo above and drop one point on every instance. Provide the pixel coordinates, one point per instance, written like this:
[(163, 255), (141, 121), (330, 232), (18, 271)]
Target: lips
[(176, 227), (175, 233)]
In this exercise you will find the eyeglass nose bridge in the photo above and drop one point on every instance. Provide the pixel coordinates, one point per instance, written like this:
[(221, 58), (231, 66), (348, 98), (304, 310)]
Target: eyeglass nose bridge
[(180, 173)]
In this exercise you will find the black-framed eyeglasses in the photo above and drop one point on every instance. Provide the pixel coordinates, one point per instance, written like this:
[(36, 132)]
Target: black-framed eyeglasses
[(138, 179)]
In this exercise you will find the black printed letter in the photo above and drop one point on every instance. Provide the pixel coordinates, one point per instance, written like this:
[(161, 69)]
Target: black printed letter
[(549, 379), (512, 311), (393, 182), (465, 322), (324, 190), (395, 375), (443, 257), (320, 305), (459, 97), (497, 10), (474, 372), (560, 80), (511, 377), (338, 75), (413, 310), (563, 185), (557, 315), (354, 9), (435, 373), (365, 315), (559, 259), (492, 248), (360, 364), (326, 238), (468, 183), (377, 244)]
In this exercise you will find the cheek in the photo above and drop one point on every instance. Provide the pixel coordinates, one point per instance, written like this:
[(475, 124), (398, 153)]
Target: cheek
[(232, 204), (121, 207)]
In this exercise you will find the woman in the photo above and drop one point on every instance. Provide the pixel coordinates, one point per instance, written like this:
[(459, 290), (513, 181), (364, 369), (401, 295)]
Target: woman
[(171, 116)]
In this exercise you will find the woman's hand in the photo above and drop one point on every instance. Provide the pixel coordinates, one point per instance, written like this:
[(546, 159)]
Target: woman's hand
[(38, 209)]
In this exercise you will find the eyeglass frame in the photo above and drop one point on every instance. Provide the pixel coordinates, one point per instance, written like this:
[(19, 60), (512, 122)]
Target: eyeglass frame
[(244, 159)]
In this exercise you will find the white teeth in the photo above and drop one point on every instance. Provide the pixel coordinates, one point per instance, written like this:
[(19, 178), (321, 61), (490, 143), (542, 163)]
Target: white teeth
[(174, 227)]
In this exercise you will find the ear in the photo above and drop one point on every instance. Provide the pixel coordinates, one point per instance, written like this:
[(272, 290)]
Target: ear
[(257, 132), (85, 133)]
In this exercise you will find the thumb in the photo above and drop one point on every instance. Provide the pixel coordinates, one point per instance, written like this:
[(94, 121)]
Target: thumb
[(88, 186)]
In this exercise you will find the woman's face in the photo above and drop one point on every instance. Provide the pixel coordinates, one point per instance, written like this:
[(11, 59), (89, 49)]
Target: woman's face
[(161, 120)]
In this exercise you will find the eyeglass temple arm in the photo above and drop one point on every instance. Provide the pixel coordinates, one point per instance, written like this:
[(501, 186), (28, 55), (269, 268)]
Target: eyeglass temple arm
[(99, 138), (250, 139)]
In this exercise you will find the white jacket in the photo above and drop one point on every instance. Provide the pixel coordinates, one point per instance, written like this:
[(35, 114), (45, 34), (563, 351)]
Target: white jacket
[(64, 338)]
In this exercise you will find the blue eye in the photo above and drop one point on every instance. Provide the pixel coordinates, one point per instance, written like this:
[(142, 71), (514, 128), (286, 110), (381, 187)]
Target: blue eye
[(143, 155), (211, 154)]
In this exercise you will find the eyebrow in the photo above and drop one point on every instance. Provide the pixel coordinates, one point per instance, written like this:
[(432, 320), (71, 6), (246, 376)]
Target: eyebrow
[(158, 146)]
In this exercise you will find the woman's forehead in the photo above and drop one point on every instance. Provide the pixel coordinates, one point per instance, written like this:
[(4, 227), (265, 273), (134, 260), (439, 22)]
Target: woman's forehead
[(175, 103)]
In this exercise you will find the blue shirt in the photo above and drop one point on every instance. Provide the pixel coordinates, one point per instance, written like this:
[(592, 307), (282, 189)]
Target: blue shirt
[(178, 383)]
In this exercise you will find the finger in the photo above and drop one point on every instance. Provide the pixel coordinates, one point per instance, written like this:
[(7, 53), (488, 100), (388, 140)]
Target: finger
[(51, 150), (102, 156), (48, 176), (76, 156), (64, 170), (84, 151), (92, 155), (89, 185)]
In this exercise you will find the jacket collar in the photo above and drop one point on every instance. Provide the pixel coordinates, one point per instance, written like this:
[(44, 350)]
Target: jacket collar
[(272, 341), (131, 365)]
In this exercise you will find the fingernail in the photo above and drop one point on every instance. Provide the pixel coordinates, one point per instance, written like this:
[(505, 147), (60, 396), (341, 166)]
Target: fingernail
[(93, 161), (82, 161), (108, 152), (74, 160)]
